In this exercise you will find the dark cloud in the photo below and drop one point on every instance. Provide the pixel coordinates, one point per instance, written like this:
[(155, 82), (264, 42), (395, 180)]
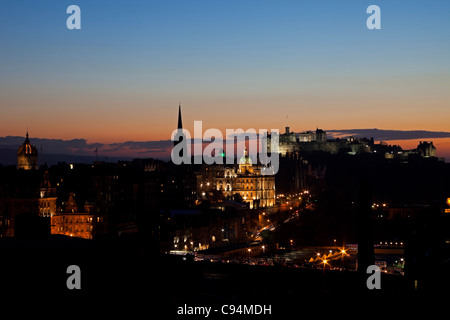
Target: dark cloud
[(379, 134), (82, 147), (55, 146)]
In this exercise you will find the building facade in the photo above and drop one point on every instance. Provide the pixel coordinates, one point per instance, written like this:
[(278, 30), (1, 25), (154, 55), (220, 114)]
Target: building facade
[(426, 149), (71, 222), (245, 180), (47, 198)]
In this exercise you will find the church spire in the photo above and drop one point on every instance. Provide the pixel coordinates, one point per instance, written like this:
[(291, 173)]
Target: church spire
[(27, 139), (179, 133), (180, 124)]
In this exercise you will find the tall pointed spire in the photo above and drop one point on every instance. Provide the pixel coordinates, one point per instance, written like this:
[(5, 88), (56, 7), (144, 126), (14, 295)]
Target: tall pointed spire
[(27, 140), (179, 136), (180, 123)]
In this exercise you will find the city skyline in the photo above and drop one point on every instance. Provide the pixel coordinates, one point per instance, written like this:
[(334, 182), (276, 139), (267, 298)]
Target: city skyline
[(83, 150)]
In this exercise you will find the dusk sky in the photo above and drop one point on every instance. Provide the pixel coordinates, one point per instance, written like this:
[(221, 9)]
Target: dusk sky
[(232, 64)]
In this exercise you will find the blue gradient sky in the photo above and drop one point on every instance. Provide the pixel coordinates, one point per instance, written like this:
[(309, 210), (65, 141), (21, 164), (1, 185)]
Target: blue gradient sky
[(231, 63)]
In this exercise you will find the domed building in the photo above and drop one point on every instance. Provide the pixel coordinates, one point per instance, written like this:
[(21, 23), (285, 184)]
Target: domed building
[(245, 163), (256, 189), (27, 156)]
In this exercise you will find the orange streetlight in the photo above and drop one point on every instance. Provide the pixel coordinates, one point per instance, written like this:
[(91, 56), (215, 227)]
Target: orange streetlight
[(325, 262), (343, 252)]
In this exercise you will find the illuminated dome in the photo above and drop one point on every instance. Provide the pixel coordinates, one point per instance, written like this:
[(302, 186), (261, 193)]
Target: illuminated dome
[(245, 159), (27, 156)]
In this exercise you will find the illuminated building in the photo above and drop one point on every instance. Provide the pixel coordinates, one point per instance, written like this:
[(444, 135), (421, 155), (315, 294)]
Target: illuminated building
[(426, 149), (313, 136), (309, 142), (71, 222), (27, 156), (255, 189), (47, 198), (312, 141)]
